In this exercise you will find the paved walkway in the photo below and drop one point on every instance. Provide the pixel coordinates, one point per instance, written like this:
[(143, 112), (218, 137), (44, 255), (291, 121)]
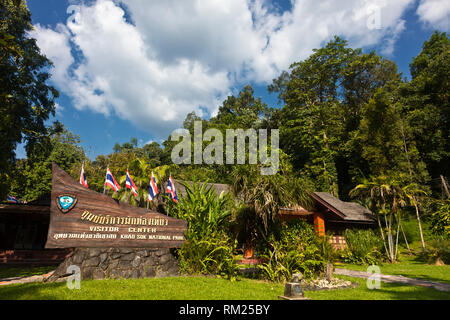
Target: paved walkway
[(397, 279), (16, 280)]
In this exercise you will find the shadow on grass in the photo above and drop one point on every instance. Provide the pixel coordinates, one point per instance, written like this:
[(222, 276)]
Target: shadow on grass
[(30, 291), (24, 271), (402, 292)]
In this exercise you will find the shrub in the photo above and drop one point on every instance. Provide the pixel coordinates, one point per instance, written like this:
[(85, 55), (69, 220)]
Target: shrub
[(363, 247), (205, 212), (440, 219), (327, 251), (438, 251), (208, 249), (213, 255), (294, 248)]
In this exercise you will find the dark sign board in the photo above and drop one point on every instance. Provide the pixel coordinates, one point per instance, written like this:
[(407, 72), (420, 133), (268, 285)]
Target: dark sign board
[(80, 217)]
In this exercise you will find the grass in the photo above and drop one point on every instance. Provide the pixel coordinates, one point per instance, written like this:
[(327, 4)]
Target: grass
[(13, 272), (409, 266), (206, 288), (212, 288), (171, 288), (387, 291)]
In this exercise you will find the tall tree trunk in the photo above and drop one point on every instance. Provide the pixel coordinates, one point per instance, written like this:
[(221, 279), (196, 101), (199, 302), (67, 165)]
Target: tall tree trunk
[(398, 232), (418, 221), (406, 240), (382, 233), (444, 185)]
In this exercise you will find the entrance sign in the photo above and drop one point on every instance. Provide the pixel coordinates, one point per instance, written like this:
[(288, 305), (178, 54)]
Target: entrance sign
[(80, 217)]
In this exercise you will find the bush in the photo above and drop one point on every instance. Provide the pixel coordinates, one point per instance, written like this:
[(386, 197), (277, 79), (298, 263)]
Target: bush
[(440, 219), (363, 247), (438, 251), (208, 249), (294, 248), (213, 255)]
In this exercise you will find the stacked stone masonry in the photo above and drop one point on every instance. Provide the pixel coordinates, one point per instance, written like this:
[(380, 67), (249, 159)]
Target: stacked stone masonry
[(119, 263)]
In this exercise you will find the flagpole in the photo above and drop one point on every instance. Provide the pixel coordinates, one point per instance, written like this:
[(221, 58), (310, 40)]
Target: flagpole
[(104, 184)]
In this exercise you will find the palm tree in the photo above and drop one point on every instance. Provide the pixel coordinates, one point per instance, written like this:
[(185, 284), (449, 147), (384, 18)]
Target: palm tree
[(263, 195), (378, 190), (411, 191)]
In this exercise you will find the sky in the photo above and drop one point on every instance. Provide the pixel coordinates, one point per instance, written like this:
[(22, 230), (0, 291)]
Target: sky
[(136, 68)]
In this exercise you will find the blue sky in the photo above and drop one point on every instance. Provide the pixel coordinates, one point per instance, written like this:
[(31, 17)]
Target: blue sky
[(135, 68)]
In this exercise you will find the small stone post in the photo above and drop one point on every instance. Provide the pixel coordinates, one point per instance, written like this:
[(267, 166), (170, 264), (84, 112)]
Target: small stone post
[(293, 290), (329, 272)]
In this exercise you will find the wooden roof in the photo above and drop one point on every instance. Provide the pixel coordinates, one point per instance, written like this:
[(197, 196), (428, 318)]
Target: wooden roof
[(347, 211)]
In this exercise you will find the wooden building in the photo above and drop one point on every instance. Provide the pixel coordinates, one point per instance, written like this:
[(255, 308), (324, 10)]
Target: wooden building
[(23, 233), (329, 214)]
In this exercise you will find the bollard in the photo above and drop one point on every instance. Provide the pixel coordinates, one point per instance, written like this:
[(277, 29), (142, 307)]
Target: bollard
[(293, 290)]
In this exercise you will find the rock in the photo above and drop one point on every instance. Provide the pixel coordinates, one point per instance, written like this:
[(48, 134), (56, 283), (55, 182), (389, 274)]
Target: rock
[(136, 261), (103, 256), (91, 262), (128, 257), (164, 259), (126, 250), (94, 252), (98, 274)]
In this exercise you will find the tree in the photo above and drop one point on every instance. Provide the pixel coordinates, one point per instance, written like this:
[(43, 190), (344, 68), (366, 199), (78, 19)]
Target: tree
[(244, 111), (427, 98), (324, 96), (33, 176), (385, 137), (26, 101)]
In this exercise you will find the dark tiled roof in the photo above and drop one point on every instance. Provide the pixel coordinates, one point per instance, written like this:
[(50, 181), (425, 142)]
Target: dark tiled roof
[(350, 211), (218, 187)]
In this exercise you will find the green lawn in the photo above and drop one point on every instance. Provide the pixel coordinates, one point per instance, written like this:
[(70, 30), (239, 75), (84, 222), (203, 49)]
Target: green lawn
[(12, 272), (410, 267), (171, 288), (205, 288)]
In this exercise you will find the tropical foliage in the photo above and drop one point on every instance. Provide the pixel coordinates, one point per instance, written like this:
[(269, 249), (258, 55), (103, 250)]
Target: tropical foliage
[(294, 248), (208, 249), (363, 247)]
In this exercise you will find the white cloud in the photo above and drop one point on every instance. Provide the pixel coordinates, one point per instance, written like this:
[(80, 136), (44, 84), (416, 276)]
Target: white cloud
[(435, 13), (179, 56)]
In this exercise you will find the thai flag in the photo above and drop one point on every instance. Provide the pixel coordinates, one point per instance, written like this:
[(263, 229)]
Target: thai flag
[(83, 179), (110, 181), (12, 199), (153, 189), (171, 189), (130, 185)]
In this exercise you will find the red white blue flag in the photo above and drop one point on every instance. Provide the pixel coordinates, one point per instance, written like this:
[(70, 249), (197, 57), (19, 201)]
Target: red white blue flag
[(83, 180), (171, 189), (153, 189), (110, 181), (12, 199), (130, 185)]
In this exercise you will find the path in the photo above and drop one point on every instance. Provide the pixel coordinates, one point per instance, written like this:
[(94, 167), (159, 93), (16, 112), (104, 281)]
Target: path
[(398, 279), (17, 280)]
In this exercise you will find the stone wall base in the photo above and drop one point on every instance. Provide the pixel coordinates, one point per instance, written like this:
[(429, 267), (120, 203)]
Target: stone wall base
[(118, 263)]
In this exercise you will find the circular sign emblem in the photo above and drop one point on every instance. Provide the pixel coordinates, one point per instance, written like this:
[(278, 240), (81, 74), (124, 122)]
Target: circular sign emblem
[(66, 202)]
